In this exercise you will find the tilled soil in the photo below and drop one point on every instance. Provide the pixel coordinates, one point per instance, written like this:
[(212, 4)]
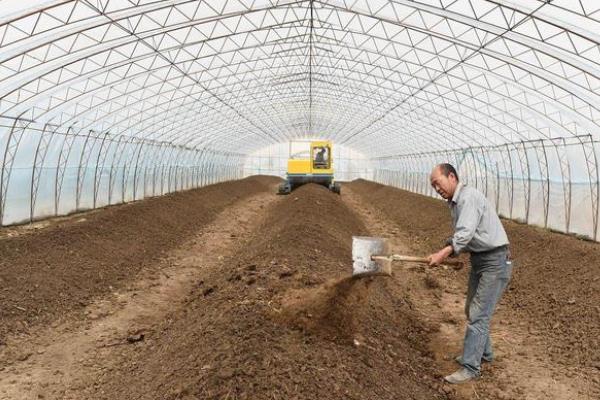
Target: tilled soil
[(60, 268), (555, 287), (283, 320), (550, 312), (279, 317)]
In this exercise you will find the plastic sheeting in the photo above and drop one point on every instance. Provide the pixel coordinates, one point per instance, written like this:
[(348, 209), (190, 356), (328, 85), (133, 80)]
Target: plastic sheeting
[(48, 171), (538, 182)]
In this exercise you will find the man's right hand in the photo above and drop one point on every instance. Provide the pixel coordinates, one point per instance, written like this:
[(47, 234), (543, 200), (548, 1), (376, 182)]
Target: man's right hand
[(439, 257)]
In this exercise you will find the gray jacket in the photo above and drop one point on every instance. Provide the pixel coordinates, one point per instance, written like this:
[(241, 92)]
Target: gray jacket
[(477, 227)]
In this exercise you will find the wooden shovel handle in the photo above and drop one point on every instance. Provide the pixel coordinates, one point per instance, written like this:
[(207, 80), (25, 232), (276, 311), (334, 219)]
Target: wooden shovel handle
[(398, 257)]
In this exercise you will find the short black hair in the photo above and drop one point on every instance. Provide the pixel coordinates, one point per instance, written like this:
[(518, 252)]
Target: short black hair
[(447, 169)]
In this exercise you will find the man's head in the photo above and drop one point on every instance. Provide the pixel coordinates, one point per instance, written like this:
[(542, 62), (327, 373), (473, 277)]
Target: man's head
[(444, 180)]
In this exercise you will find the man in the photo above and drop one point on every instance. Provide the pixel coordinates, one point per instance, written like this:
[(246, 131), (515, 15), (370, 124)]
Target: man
[(320, 157), (477, 230)]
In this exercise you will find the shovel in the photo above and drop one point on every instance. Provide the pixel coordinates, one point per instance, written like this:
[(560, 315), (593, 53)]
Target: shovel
[(371, 256)]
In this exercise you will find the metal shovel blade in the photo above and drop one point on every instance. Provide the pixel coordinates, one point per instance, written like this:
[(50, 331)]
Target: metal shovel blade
[(363, 247)]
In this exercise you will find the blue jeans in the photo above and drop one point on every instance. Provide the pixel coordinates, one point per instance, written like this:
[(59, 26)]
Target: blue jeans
[(490, 273)]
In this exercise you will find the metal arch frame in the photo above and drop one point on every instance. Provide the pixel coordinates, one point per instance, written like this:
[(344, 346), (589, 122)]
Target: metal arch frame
[(477, 51), (107, 143), (468, 166), (524, 164), (150, 157), (504, 156), (61, 166), (12, 145), (511, 188), (137, 144), (497, 188), (519, 38), (520, 150), (203, 164), (84, 159), (120, 147), (196, 171), (172, 176), (208, 167), (91, 75), (135, 171), (169, 150), (591, 160), (186, 74), (416, 6), (102, 153), (39, 158), (565, 173), (158, 166), (193, 159), (486, 165), (542, 157), (185, 171)]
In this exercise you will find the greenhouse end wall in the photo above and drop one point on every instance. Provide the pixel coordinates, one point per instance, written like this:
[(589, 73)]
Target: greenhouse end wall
[(272, 160)]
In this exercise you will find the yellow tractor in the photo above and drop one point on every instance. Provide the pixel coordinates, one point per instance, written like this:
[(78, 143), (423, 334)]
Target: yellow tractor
[(312, 165)]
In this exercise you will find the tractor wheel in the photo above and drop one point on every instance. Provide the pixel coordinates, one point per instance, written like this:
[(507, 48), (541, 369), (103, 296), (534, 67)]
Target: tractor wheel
[(284, 188), (336, 188)]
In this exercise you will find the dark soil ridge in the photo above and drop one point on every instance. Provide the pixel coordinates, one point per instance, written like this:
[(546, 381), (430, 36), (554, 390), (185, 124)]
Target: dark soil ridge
[(283, 320), (63, 267), (555, 289)]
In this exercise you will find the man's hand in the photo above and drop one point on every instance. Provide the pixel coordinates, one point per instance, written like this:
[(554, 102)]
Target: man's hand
[(439, 257)]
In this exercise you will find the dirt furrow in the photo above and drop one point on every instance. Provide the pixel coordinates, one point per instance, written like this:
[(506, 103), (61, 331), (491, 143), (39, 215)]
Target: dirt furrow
[(232, 292), (66, 264), (541, 354), (280, 319), (59, 362)]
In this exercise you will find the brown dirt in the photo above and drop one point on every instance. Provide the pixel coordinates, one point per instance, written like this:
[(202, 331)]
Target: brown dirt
[(249, 297), (328, 310), (61, 268), (281, 320), (548, 323)]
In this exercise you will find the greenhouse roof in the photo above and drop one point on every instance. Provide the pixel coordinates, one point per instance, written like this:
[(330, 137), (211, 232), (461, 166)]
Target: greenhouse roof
[(386, 77)]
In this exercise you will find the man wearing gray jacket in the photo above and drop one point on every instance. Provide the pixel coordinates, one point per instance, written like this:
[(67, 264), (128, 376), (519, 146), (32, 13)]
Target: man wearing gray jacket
[(477, 230)]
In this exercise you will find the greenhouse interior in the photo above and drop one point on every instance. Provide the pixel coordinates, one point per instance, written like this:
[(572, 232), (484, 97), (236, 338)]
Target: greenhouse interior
[(190, 188)]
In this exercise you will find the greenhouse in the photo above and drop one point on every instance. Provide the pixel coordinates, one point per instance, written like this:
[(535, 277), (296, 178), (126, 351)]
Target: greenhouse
[(145, 252)]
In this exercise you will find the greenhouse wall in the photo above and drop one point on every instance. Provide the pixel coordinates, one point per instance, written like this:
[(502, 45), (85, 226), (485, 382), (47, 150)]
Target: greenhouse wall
[(50, 171), (548, 183)]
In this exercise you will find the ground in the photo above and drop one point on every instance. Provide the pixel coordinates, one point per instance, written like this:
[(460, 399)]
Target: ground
[(232, 292)]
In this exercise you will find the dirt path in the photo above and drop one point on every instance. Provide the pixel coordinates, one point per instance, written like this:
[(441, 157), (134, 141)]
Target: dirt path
[(523, 368), (58, 362)]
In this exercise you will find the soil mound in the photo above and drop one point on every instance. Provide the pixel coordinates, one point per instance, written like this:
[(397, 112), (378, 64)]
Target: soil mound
[(329, 310), (282, 320), (48, 272), (555, 289)]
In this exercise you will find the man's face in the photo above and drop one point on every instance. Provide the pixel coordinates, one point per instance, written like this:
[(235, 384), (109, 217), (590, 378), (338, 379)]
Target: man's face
[(443, 185)]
